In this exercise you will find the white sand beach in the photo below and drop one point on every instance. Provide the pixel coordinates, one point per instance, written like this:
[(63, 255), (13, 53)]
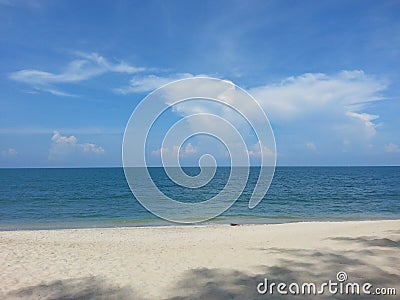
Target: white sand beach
[(194, 262)]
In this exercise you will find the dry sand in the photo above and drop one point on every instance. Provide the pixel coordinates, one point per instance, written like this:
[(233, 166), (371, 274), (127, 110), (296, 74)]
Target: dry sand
[(194, 262)]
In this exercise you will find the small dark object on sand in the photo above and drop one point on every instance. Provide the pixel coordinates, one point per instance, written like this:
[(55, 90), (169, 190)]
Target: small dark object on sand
[(234, 224)]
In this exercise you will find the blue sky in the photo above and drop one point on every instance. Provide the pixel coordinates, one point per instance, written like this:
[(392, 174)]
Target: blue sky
[(325, 72)]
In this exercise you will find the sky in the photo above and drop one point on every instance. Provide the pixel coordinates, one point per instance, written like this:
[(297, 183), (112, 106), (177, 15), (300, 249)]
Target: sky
[(326, 74)]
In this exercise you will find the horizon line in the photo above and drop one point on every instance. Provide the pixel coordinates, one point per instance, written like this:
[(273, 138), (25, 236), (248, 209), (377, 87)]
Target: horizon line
[(223, 166)]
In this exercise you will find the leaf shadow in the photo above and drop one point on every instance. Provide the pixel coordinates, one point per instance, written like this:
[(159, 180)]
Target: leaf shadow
[(91, 288), (299, 266)]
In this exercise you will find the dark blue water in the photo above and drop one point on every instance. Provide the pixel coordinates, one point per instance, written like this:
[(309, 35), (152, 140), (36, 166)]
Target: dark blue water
[(94, 197)]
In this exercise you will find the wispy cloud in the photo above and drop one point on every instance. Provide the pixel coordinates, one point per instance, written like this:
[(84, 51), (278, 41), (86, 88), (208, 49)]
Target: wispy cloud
[(149, 83), (64, 146), (84, 67), (56, 92)]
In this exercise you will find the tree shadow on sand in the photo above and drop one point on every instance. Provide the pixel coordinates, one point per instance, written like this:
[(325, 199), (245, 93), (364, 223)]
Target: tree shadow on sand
[(371, 242), (300, 265), (293, 266), (91, 288)]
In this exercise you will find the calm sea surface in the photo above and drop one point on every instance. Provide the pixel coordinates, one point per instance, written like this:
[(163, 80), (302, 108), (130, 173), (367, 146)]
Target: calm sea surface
[(100, 197)]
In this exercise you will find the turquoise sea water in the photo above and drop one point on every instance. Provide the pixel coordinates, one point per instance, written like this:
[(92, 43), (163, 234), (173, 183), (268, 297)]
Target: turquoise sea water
[(100, 197)]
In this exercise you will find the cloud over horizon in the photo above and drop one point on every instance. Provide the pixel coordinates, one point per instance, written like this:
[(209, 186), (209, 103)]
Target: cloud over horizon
[(83, 69), (65, 146)]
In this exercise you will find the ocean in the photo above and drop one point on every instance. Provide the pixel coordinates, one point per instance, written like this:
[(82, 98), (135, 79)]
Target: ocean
[(100, 197)]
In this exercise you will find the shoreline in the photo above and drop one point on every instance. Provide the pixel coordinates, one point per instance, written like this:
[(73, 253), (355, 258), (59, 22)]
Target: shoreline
[(194, 261), (236, 222)]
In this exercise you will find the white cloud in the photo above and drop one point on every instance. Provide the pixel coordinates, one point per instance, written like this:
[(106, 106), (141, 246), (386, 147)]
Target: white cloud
[(225, 95), (218, 119), (392, 148), (366, 121), (63, 146), (161, 151), (257, 151), (189, 150), (342, 95), (84, 67), (315, 93), (186, 151), (334, 105), (87, 147), (149, 83), (328, 108), (10, 152), (59, 139)]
